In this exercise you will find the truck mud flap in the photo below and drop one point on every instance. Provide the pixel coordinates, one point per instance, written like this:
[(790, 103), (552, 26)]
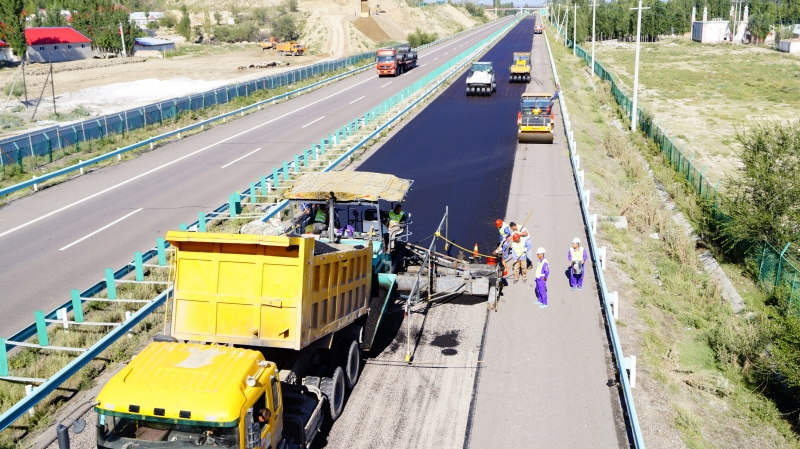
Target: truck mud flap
[(387, 291)]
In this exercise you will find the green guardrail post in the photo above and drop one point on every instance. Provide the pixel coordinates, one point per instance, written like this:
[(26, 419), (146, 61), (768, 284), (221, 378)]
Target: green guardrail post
[(201, 221), (77, 306), (183, 227), (780, 264), (285, 170), (138, 266), (296, 163), (111, 284), (161, 248), (307, 156), (41, 328), (330, 144), (275, 180), (3, 358), (321, 144), (264, 185), (253, 199), (232, 205)]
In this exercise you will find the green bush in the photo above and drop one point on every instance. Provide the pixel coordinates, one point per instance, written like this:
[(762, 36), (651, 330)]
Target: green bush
[(19, 89), (285, 28), (474, 10), (236, 33), (168, 21), (419, 38)]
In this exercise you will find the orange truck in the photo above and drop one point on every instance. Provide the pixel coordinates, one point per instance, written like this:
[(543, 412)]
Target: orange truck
[(394, 61), (290, 49)]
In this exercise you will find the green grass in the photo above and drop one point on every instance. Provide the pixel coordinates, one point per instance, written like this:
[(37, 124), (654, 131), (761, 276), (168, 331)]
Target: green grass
[(689, 344)]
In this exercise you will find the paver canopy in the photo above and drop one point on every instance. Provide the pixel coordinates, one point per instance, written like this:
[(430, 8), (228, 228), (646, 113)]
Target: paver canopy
[(349, 186)]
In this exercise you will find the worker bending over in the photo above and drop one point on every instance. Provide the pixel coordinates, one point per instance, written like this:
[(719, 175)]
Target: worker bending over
[(519, 255), (542, 273), (321, 219), (577, 256), (397, 224)]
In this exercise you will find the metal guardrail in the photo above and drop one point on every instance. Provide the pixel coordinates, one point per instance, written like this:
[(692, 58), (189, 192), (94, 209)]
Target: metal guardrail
[(453, 67), (623, 363)]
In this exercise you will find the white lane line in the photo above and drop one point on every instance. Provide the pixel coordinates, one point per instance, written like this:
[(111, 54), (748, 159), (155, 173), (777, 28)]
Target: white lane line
[(357, 99), (153, 170), (248, 154), (387, 84), (315, 121), (435, 58), (100, 230), (423, 65)]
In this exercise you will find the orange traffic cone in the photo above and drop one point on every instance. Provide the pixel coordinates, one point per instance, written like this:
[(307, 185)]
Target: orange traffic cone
[(475, 251)]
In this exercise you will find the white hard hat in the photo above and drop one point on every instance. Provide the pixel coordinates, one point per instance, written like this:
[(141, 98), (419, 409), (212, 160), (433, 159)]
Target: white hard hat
[(540, 250), (576, 240)]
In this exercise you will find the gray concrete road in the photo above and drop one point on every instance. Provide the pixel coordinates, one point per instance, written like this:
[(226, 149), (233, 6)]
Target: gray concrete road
[(49, 242), (548, 378)]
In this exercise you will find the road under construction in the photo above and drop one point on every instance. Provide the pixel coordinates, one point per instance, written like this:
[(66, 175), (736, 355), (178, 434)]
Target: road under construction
[(516, 377)]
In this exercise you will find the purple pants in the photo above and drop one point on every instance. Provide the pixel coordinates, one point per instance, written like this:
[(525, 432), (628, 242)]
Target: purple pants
[(575, 280), (541, 290)]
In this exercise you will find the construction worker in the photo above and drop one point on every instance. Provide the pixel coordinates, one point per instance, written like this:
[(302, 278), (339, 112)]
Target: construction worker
[(505, 248), (519, 256), (524, 235), (542, 273), (321, 219), (397, 224), (577, 256)]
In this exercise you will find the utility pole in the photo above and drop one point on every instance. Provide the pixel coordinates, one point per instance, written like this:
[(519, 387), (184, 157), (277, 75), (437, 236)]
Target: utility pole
[(574, 28), (634, 116), (53, 88), (122, 36), (24, 83), (594, 14), (566, 27)]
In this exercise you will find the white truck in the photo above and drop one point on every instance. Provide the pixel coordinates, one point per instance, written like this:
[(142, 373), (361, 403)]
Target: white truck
[(480, 80)]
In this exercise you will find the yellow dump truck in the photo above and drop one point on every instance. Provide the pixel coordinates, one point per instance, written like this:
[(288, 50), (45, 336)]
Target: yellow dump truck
[(521, 68), (290, 49), (266, 335), (535, 121)]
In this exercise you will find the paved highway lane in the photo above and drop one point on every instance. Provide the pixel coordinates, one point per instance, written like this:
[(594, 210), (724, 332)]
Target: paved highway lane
[(63, 237)]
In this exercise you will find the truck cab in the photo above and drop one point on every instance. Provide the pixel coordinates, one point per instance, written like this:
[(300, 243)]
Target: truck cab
[(395, 61)]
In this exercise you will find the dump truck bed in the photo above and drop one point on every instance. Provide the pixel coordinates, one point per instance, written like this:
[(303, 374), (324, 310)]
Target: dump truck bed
[(267, 291)]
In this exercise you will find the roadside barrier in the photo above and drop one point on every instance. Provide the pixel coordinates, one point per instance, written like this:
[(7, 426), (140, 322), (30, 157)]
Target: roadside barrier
[(325, 155), (626, 366)]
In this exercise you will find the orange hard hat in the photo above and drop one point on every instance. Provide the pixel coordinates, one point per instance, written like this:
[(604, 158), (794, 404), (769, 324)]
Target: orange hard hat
[(498, 222), (515, 237)]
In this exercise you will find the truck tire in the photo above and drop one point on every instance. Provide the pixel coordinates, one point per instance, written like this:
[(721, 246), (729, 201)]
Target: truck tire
[(333, 390), (280, 53), (350, 361)]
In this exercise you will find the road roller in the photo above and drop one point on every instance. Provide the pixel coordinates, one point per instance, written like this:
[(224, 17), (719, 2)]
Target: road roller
[(521, 68), (535, 121)]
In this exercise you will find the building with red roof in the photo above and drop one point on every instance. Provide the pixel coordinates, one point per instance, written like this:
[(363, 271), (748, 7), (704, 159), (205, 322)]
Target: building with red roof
[(5, 52), (57, 44)]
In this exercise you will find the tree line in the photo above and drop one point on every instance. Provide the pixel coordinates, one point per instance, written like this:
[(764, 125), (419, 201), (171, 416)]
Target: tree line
[(615, 20)]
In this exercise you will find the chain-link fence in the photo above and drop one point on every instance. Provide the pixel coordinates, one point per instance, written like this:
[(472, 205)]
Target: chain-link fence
[(57, 141), (776, 272)]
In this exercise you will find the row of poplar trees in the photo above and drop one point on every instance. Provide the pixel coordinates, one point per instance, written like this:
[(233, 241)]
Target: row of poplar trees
[(615, 20), (99, 20)]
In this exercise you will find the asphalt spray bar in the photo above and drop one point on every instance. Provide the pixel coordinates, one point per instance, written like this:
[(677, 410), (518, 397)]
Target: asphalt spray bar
[(357, 130)]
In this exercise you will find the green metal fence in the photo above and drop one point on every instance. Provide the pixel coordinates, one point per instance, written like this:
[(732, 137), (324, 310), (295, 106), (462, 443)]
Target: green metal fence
[(776, 272)]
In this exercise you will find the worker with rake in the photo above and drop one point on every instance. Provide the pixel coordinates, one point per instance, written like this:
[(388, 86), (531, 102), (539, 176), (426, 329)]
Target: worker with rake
[(519, 256)]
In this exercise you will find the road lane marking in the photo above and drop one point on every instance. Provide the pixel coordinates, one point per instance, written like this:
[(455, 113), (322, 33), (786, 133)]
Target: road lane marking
[(357, 99), (435, 58), (100, 230), (153, 170), (423, 65), (315, 121), (248, 154), (387, 84)]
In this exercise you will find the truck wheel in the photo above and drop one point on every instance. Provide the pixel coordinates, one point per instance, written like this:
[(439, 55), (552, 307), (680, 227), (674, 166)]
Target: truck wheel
[(333, 389), (280, 53), (350, 360)]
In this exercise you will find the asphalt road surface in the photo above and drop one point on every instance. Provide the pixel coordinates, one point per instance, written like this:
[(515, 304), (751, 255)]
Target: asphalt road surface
[(65, 236)]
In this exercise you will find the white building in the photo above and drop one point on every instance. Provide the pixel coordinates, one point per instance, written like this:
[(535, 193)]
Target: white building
[(142, 20), (710, 32), (789, 45)]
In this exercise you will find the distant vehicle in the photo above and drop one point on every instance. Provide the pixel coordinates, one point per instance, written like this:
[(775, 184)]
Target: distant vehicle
[(480, 80), (538, 28), (269, 44), (290, 49), (536, 120), (395, 61), (521, 68)]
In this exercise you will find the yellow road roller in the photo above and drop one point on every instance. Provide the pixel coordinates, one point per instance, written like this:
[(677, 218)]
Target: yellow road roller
[(535, 121)]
